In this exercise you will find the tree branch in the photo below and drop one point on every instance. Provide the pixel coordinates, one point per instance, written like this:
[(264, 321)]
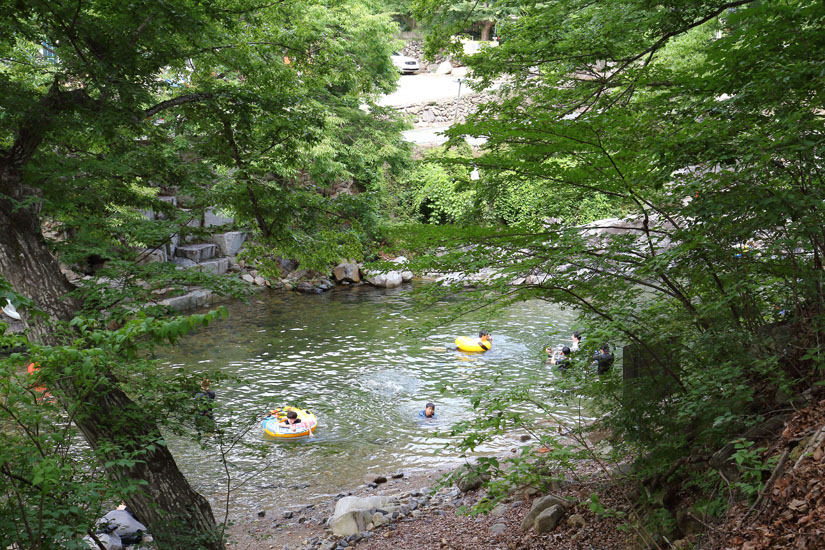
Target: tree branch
[(175, 101)]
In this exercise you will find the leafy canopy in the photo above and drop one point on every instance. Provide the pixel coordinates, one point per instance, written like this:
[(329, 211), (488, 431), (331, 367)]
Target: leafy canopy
[(702, 122)]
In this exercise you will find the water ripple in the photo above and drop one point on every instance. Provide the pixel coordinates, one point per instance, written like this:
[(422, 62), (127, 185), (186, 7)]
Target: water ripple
[(347, 357)]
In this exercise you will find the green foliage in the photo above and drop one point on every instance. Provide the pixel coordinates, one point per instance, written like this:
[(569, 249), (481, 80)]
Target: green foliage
[(447, 188), (752, 468), (506, 403), (595, 506), (253, 108), (54, 487), (701, 127), (437, 200)]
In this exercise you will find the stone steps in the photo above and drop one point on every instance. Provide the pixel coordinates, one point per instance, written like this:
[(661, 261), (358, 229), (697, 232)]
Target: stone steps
[(196, 252)]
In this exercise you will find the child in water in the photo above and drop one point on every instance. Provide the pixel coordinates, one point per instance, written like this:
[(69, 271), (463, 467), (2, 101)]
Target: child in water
[(485, 340), (428, 412), (291, 421)]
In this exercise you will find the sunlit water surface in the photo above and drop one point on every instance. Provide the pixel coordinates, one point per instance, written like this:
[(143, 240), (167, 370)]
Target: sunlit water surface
[(348, 356)]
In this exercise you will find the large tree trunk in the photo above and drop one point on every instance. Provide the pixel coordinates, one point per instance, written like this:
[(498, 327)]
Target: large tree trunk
[(25, 260), (176, 515), (486, 29)]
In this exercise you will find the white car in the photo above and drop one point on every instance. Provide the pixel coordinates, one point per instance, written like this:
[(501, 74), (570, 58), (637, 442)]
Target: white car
[(405, 64)]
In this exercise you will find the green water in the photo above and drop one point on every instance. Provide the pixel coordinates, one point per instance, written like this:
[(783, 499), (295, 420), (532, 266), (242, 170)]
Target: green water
[(346, 356)]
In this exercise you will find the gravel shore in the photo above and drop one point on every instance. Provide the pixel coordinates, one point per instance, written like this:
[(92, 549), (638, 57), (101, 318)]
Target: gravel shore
[(436, 522)]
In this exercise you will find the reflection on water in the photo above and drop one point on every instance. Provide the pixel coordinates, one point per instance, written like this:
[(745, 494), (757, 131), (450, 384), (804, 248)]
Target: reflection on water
[(346, 356)]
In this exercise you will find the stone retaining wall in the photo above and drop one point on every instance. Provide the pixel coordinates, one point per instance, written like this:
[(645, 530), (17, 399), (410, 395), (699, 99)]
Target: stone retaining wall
[(415, 49), (443, 111)]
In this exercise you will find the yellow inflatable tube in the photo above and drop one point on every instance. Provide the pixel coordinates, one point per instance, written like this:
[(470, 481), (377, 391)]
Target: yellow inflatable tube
[(465, 343), (305, 426)]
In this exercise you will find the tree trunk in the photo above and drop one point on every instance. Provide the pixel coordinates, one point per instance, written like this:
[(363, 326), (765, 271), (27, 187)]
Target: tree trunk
[(25, 260), (176, 515), (486, 30)]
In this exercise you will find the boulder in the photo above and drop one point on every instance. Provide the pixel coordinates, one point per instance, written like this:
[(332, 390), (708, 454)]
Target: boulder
[(248, 278), (110, 541), (212, 217), (459, 72), (379, 519), (375, 478), (287, 266), (532, 280), (445, 67), (353, 514), (193, 219), (152, 255), (196, 252), (184, 262), (228, 243), (347, 272), (576, 520), (218, 266), (350, 523), (350, 503), (498, 529), (191, 300), (260, 281), (123, 524), (390, 279), (548, 519), (172, 245), (407, 276), (540, 505), (468, 478)]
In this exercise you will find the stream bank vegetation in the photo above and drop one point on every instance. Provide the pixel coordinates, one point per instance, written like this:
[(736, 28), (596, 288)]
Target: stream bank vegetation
[(107, 108), (701, 124)]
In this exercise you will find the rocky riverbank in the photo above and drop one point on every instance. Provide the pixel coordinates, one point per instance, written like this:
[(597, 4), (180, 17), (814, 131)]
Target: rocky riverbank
[(414, 512)]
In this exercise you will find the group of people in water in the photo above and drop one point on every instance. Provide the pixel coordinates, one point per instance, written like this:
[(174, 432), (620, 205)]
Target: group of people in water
[(561, 357)]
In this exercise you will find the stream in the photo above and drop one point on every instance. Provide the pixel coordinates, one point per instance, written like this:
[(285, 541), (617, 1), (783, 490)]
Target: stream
[(348, 356)]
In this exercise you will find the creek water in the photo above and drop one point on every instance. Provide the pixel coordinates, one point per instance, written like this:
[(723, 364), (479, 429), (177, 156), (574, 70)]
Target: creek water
[(348, 356)]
